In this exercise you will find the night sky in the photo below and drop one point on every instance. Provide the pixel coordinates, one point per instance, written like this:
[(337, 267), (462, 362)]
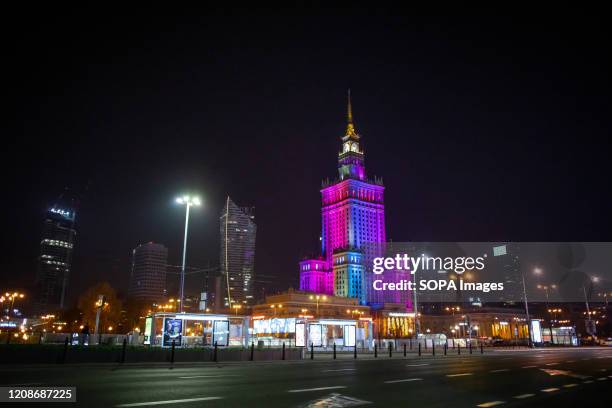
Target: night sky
[(484, 129)]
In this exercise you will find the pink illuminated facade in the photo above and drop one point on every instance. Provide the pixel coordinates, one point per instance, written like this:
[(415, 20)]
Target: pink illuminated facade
[(353, 229)]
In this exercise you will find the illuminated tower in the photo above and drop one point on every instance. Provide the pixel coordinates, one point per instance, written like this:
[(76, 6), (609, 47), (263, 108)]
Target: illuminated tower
[(353, 225)]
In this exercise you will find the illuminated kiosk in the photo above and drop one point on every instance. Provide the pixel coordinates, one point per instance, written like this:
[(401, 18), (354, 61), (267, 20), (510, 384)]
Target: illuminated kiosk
[(299, 319), (196, 330)]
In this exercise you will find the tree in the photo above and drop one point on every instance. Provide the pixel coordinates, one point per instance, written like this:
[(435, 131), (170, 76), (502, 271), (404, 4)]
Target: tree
[(111, 311)]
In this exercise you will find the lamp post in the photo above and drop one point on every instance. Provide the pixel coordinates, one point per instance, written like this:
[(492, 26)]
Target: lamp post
[(527, 310), (11, 297), (545, 288), (187, 201), (317, 297), (236, 308), (594, 279)]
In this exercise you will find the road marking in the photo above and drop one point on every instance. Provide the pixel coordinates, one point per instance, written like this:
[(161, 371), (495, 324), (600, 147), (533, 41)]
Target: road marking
[(501, 370), (210, 376), (339, 369), (570, 385), (553, 389), (336, 400), (335, 387), (601, 379), (404, 380), (551, 364), (417, 365), (490, 404), (570, 361), (529, 367), (146, 404), (587, 381), (458, 375), (522, 396)]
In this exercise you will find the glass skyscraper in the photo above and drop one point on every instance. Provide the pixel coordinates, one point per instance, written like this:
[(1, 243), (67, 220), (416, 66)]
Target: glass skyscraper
[(55, 260), (238, 231), (148, 277)]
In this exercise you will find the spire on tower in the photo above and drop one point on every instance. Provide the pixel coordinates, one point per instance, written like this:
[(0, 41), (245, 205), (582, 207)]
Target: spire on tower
[(350, 128), (349, 115)]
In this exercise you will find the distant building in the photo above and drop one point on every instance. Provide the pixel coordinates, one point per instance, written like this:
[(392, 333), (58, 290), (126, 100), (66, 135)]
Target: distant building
[(148, 277), (55, 260), (506, 267), (238, 232)]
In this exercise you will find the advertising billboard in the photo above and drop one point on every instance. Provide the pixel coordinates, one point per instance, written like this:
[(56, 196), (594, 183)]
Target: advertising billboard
[(147, 331), (349, 336), (173, 331), (274, 325), (300, 335), (536, 331), (314, 331), (221, 332)]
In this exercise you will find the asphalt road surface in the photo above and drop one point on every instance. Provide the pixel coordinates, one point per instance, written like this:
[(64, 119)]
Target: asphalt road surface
[(549, 377)]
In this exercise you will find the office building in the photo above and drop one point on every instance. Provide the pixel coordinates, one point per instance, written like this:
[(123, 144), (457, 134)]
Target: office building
[(238, 232), (55, 260), (148, 276)]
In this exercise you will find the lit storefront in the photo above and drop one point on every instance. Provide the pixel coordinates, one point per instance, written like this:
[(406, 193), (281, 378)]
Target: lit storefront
[(196, 330), (303, 319), (481, 324), (394, 324)]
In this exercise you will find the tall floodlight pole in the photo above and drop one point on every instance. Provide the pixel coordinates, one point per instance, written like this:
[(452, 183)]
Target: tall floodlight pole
[(527, 311), (187, 201)]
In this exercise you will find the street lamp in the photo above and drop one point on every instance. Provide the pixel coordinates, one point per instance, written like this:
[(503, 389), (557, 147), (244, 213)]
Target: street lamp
[(236, 308), (188, 202), (11, 297), (536, 271), (545, 289), (317, 297)]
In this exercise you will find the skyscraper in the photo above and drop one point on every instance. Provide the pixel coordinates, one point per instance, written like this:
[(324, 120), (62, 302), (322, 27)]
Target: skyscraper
[(238, 231), (148, 276), (353, 227), (505, 265), (55, 260)]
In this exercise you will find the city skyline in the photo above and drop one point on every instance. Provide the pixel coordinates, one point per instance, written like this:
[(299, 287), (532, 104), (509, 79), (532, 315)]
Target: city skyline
[(461, 167)]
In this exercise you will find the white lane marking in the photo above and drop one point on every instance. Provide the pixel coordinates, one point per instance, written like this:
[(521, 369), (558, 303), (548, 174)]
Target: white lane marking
[(610, 376), (601, 379), (417, 365), (210, 376), (553, 389), (339, 369), (551, 364), (522, 396), (570, 361), (335, 387), (404, 380), (529, 367), (501, 370), (146, 404), (490, 404), (570, 385), (587, 381), (337, 400), (458, 375)]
